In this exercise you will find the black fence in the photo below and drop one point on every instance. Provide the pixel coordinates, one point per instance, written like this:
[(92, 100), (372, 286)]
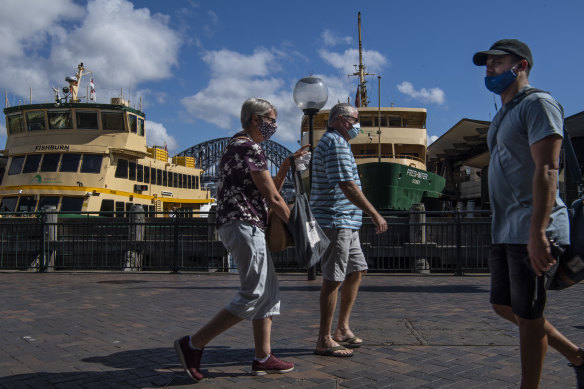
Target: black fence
[(447, 242)]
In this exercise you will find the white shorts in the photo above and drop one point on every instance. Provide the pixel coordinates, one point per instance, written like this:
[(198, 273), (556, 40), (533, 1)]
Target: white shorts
[(259, 295)]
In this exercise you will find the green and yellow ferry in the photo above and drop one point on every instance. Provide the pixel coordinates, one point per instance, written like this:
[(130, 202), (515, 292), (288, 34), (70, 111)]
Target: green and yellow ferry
[(91, 157), (390, 151)]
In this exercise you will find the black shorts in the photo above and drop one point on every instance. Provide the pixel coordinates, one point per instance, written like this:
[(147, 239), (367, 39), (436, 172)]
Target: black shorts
[(513, 282)]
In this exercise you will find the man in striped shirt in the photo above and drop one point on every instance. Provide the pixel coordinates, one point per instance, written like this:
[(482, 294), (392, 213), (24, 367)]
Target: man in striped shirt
[(337, 203)]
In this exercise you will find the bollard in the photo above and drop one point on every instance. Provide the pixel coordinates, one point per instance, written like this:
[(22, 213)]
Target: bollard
[(418, 237), (48, 239), (134, 256)]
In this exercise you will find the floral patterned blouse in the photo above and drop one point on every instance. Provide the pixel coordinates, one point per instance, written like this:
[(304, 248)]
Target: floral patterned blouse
[(237, 196)]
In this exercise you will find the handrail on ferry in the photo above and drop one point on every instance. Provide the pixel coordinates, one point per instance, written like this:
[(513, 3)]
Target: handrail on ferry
[(392, 156)]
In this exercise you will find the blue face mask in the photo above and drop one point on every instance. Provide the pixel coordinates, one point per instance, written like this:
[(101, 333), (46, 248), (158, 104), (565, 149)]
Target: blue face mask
[(499, 84), (354, 131)]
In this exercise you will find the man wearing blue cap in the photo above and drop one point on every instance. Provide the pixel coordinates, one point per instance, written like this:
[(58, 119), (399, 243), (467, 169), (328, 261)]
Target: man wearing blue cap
[(525, 140)]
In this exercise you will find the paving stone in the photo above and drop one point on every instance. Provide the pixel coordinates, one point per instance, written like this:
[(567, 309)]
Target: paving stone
[(116, 330)]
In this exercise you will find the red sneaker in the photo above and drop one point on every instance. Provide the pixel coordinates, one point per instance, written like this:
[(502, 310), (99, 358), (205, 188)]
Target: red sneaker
[(270, 366), (190, 359)]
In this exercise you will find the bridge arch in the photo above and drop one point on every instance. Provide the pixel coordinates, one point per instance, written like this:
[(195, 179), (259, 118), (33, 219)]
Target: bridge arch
[(207, 155)]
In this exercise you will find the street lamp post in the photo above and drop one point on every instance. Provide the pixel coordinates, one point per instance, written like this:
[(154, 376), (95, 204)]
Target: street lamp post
[(310, 95)]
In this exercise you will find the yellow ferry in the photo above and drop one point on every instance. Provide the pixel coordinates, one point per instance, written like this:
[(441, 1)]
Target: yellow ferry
[(91, 157)]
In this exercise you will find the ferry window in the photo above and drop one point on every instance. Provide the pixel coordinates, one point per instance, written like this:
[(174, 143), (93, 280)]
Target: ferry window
[(165, 178), (147, 174), (27, 204), (140, 126), (35, 120), (120, 206), (87, 120), (8, 204), (190, 182), (15, 124), (70, 163), (395, 121), (47, 201), (382, 120), (132, 171), (196, 182), (60, 120), (151, 211), (32, 163), (107, 208), (170, 179), (91, 163), (139, 173), (159, 176), (366, 121), (133, 123), (16, 165), (112, 121), (122, 168), (71, 204), (183, 180), (50, 162), (153, 176), (175, 179)]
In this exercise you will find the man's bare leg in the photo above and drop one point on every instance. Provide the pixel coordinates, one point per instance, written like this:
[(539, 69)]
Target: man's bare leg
[(348, 296), (328, 303)]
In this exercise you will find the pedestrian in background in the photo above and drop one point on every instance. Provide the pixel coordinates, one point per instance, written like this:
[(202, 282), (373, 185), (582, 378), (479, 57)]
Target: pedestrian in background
[(245, 191), (337, 203)]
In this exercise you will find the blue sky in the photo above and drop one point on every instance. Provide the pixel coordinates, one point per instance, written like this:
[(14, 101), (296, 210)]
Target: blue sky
[(192, 63)]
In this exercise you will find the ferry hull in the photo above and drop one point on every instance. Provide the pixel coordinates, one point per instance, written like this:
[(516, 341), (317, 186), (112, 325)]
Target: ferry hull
[(393, 186)]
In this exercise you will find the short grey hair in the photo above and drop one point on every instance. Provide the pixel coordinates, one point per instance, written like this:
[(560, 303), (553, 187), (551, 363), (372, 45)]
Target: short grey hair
[(255, 106), (341, 109)]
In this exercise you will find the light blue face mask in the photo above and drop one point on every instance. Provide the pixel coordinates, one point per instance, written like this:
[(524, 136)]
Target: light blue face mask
[(354, 131), (499, 84)]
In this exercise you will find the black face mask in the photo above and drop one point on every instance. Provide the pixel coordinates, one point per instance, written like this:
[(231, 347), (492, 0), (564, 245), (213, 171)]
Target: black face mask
[(266, 129)]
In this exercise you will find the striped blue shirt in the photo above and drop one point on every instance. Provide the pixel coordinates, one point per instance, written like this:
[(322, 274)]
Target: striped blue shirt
[(333, 163)]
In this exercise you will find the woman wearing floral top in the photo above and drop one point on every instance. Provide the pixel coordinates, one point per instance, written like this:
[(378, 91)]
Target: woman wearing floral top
[(245, 192)]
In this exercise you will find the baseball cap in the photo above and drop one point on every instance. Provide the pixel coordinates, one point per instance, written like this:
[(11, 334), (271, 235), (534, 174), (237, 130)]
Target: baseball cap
[(503, 47)]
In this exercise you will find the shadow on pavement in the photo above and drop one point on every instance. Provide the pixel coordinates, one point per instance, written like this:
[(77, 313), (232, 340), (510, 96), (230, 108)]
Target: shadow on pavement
[(154, 367)]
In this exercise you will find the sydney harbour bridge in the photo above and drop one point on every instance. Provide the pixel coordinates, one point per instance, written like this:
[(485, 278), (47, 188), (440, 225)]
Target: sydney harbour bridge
[(207, 155)]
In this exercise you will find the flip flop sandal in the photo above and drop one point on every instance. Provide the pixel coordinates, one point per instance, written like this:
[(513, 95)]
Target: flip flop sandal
[(351, 342), (333, 352)]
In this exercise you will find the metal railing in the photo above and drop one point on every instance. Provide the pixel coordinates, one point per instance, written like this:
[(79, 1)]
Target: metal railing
[(454, 242)]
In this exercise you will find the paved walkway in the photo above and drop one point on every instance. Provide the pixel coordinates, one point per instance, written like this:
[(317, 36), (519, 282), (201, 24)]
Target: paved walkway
[(115, 330)]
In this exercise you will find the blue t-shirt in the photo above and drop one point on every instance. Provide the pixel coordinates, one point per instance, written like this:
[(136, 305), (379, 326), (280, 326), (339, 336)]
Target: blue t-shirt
[(333, 163), (511, 168)]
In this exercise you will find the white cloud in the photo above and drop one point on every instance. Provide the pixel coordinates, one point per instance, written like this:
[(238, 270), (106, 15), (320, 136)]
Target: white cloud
[(345, 62), (121, 44), (211, 27), (332, 39), (432, 95), (236, 77), (432, 139), (260, 63), (157, 136)]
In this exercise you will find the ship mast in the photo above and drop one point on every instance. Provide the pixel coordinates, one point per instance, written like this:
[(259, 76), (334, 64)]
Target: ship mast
[(74, 82), (361, 98)]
